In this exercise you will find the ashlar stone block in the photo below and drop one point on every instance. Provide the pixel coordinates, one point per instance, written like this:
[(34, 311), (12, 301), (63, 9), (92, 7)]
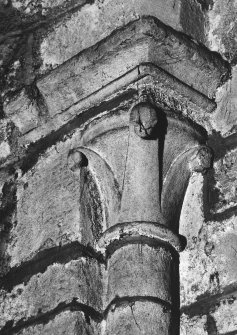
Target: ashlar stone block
[(208, 264), (78, 281), (55, 207)]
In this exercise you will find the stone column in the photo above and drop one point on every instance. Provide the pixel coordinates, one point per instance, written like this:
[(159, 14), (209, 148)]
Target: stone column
[(142, 292)]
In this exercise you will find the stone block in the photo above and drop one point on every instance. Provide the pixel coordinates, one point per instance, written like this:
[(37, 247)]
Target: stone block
[(61, 284), (140, 270), (66, 323), (54, 207), (208, 264)]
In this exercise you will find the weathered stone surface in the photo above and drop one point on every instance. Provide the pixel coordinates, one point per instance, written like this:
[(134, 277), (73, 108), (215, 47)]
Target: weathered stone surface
[(39, 6), (208, 265), (97, 20), (190, 9), (225, 117), (142, 41), (219, 319), (54, 207), (224, 315), (225, 183), (7, 51), (5, 148), (13, 79), (146, 271), (193, 326), (209, 272), (222, 28), (78, 280), (190, 223), (9, 135), (138, 317), (23, 112), (9, 18), (66, 323), (37, 12)]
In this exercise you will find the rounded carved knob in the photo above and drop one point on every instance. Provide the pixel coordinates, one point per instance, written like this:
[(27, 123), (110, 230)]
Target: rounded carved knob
[(76, 160), (144, 117), (201, 161)]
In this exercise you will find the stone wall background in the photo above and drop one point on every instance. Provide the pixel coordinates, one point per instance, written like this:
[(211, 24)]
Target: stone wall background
[(36, 37)]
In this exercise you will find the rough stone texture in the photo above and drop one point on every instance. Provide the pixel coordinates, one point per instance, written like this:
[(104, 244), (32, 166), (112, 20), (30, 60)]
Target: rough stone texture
[(19, 15), (23, 112), (66, 323), (226, 184), (221, 319), (39, 6), (224, 316), (96, 21), (7, 50), (225, 117), (208, 265), (222, 28), (189, 10), (78, 280), (190, 223), (5, 131), (193, 326), (53, 207)]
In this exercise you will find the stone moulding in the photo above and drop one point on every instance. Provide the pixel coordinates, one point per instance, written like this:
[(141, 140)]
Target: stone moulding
[(143, 41), (144, 48), (129, 231)]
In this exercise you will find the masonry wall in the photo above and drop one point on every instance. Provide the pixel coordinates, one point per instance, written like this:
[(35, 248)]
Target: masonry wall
[(51, 218)]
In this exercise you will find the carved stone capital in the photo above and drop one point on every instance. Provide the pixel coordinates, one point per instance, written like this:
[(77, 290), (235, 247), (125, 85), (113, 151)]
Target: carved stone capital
[(142, 144)]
